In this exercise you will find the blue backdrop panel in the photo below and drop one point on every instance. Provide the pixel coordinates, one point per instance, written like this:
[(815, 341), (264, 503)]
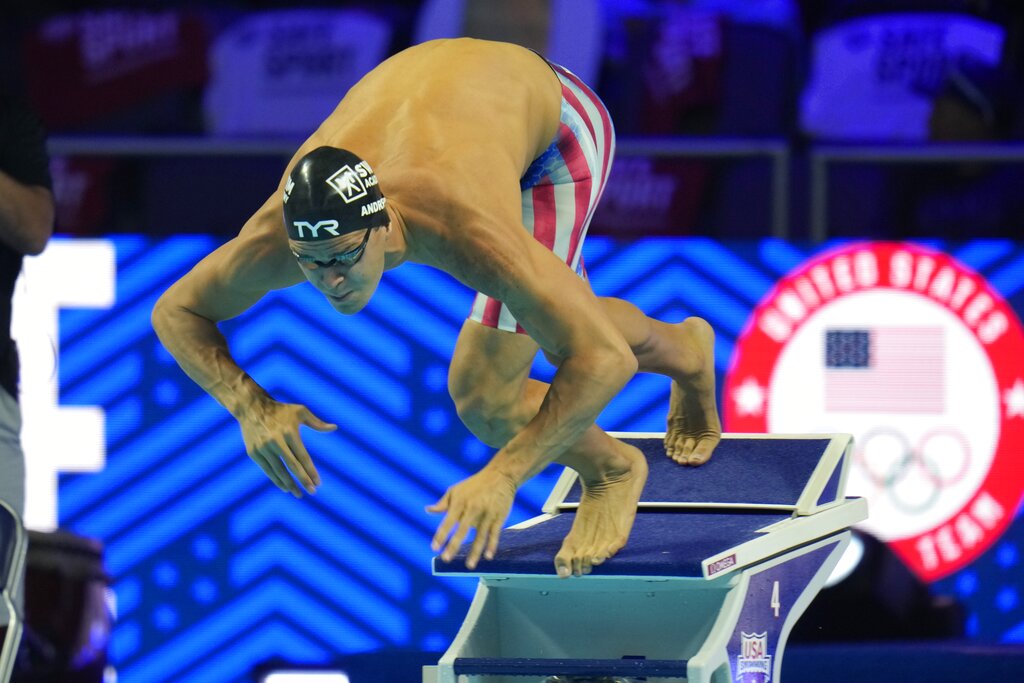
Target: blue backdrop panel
[(216, 570)]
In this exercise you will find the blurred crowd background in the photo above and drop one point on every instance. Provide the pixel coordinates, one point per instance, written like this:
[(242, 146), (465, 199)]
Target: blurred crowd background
[(224, 77)]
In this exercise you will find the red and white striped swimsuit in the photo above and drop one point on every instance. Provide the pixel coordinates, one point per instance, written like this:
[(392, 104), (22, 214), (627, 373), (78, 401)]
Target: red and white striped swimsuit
[(562, 187)]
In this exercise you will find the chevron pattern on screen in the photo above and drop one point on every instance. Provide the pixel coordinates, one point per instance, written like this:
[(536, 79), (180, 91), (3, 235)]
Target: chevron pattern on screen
[(215, 570)]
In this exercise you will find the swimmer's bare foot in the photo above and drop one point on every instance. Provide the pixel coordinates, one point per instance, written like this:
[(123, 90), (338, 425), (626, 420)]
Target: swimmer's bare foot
[(606, 512), (693, 428)]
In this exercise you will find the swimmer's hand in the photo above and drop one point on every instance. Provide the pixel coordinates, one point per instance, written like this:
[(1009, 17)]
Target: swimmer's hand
[(481, 502), (271, 433)]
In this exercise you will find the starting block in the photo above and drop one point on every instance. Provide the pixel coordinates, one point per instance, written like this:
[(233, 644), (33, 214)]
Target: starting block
[(721, 562)]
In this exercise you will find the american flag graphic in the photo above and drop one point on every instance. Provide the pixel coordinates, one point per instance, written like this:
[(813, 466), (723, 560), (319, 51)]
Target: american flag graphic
[(885, 369)]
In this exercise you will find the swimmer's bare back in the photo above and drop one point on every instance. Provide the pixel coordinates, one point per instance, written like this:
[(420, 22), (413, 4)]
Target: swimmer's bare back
[(449, 127)]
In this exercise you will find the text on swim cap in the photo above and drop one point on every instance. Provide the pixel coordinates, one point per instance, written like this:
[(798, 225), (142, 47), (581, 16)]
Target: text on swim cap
[(288, 187), (351, 183), (301, 227), (372, 207)]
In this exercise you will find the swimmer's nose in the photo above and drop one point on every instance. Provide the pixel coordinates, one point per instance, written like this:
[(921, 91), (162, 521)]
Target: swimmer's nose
[(331, 279)]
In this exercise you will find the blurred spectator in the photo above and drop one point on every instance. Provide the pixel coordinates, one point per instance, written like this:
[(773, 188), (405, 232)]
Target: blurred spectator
[(117, 70), (975, 103), (281, 72), (874, 73), (662, 77), (871, 77), (112, 71), (967, 198), (697, 68), (26, 224), (663, 71)]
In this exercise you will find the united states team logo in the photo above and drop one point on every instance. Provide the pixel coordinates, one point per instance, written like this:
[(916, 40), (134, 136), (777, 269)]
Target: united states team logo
[(920, 359)]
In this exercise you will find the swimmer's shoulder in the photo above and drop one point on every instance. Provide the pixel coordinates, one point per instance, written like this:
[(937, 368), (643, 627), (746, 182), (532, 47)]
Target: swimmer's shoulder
[(260, 249)]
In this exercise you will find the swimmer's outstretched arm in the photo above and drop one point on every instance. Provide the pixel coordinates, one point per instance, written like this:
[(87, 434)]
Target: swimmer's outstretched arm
[(221, 286), (562, 314)]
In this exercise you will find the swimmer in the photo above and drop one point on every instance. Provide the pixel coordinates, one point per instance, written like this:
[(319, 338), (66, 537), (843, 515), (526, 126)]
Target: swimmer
[(485, 161)]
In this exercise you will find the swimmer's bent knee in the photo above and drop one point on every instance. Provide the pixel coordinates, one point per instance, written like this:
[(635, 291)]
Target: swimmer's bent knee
[(493, 422)]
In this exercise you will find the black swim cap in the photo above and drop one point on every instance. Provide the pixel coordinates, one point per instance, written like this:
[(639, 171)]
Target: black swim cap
[(331, 192)]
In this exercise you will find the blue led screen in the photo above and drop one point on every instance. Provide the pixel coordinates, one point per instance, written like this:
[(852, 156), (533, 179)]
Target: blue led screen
[(215, 570)]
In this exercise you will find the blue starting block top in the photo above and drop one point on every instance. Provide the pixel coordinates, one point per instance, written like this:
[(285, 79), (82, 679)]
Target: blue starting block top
[(661, 544), (758, 496), (800, 474)]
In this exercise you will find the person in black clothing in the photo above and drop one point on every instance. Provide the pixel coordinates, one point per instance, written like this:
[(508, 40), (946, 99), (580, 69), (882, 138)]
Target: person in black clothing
[(26, 223)]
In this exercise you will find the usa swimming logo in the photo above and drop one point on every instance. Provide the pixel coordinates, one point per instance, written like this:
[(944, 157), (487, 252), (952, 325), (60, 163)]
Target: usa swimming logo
[(754, 664), (920, 359)]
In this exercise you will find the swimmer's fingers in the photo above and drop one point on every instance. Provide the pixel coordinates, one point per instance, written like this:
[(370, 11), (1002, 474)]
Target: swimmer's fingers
[(446, 525), (270, 462), (454, 528), (271, 433), (486, 542), (481, 502), (455, 543), (296, 457)]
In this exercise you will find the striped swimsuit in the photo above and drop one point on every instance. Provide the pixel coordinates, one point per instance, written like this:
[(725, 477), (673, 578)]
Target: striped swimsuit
[(562, 187)]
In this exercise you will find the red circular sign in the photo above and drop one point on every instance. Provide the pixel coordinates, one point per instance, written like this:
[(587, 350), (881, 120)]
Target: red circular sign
[(920, 359)]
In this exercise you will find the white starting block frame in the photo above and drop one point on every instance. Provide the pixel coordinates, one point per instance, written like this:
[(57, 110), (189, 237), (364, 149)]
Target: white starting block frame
[(715, 609)]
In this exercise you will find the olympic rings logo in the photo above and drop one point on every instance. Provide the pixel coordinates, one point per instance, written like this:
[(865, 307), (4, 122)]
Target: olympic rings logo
[(913, 465)]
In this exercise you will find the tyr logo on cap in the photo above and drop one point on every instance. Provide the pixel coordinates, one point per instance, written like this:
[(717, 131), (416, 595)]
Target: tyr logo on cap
[(302, 227), (350, 183)]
